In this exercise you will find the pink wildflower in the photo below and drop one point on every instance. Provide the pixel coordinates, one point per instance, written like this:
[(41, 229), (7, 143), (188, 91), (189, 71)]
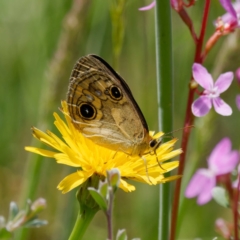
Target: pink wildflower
[(222, 160), (230, 20), (203, 104)]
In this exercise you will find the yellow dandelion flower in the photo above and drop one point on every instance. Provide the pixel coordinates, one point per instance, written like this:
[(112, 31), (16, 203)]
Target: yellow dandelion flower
[(78, 151)]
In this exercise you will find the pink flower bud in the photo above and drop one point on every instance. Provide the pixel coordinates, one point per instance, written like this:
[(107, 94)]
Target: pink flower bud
[(237, 73)]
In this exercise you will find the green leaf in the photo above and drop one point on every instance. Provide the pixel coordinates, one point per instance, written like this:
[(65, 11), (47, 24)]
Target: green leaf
[(103, 189), (28, 207), (220, 196), (36, 223), (121, 235), (98, 198)]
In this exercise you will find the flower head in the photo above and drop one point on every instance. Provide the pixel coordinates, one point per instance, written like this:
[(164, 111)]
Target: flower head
[(211, 93), (230, 20), (222, 160), (77, 151)]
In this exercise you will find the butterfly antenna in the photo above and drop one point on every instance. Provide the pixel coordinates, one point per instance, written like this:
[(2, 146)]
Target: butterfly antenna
[(190, 126)]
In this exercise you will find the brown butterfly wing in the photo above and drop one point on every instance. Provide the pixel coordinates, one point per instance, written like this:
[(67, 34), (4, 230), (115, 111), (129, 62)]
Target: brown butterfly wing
[(102, 107)]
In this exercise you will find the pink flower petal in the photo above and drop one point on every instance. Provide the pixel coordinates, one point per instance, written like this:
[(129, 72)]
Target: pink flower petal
[(221, 149), (175, 5), (238, 101), (148, 7), (229, 19), (224, 81), (222, 159), (223, 228), (197, 183), (233, 160), (202, 77), (201, 186), (228, 163), (206, 195), (227, 5), (221, 107), (201, 106)]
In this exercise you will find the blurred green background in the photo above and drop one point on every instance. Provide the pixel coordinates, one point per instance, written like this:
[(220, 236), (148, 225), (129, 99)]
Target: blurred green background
[(39, 44)]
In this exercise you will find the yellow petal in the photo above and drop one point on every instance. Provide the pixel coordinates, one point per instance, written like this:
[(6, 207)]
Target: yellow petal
[(64, 159), (41, 152), (43, 137), (126, 186), (73, 180), (172, 178)]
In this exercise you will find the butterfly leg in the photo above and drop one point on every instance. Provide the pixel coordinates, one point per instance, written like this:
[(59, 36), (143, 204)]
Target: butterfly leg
[(114, 155), (158, 161), (145, 163)]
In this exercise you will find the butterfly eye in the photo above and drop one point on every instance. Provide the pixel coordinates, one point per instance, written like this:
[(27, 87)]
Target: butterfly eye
[(87, 111), (115, 93), (155, 143)]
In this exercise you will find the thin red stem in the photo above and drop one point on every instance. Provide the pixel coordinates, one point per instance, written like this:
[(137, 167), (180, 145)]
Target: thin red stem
[(188, 122), (202, 32), (188, 21), (210, 43), (189, 4), (227, 181), (186, 132), (233, 196), (235, 210)]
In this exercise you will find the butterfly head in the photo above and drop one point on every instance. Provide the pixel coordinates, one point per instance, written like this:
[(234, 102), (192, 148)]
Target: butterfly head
[(154, 144)]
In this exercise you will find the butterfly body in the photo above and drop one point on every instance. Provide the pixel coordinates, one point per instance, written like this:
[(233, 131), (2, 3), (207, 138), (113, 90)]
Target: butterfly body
[(103, 109)]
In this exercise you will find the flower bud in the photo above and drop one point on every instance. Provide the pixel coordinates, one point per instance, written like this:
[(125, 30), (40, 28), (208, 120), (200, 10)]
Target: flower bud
[(38, 205), (237, 73)]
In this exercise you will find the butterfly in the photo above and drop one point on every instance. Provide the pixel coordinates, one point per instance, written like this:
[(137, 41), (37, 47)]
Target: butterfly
[(103, 109)]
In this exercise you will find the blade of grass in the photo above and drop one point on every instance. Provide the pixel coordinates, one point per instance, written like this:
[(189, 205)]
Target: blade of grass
[(165, 96)]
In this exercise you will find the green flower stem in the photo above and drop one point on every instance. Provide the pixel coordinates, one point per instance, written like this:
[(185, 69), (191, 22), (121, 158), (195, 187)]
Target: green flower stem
[(82, 223), (235, 210), (165, 96), (109, 214)]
